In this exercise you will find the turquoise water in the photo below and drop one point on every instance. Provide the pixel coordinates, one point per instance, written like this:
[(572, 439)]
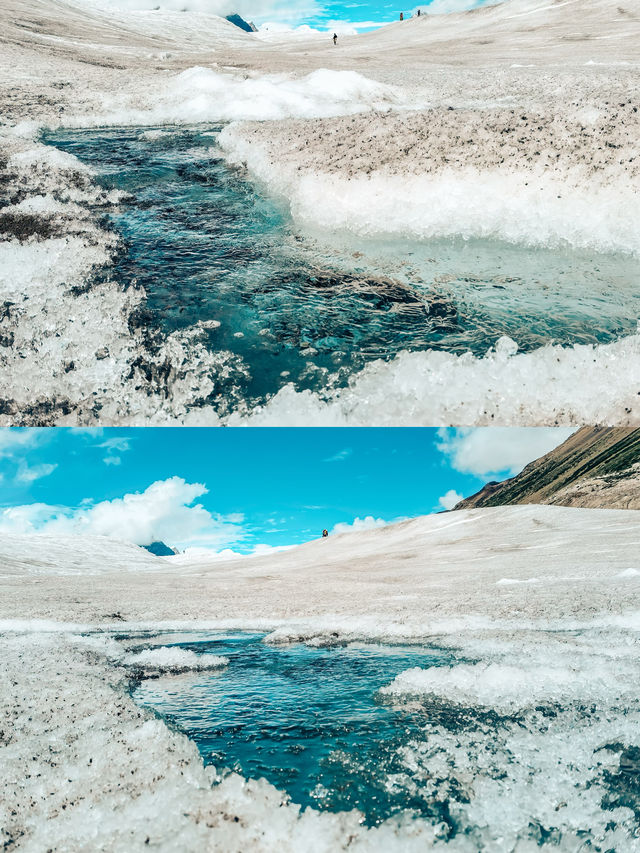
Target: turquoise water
[(209, 246), (309, 720), (314, 723)]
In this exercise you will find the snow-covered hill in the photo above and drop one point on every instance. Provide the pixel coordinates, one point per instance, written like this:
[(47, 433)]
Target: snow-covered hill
[(545, 563)]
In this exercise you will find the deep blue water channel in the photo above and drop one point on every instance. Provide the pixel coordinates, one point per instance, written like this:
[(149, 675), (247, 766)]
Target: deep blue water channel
[(208, 245), (309, 720)]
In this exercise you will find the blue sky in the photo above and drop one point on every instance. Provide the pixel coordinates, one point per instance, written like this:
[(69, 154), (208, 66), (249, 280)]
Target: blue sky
[(240, 488)]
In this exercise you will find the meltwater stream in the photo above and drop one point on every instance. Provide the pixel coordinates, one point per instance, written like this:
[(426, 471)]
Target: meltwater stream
[(213, 251), (309, 720)]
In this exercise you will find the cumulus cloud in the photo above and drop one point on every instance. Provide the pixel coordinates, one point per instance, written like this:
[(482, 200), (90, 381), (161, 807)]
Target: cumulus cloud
[(164, 511), (28, 518), (495, 452), (450, 499), (367, 523)]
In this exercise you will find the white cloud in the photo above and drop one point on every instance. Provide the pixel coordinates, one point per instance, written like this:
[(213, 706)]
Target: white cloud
[(495, 452), (114, 446), (14, 444), (340, 456), (450, 499), (118, 442), (12, 440), (27, 518), (28, 474), (164, 511), (367, 523)]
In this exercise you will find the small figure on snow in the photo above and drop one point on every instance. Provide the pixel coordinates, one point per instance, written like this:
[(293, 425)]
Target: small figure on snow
[(335, 38), (402, 16), (418, 13), (325, 533)]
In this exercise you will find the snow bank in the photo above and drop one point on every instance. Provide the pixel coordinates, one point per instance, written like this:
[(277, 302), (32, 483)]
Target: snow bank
[(519, 208), (511, 687), (204, 95), (550, 386), (510, 204), (153, 661)]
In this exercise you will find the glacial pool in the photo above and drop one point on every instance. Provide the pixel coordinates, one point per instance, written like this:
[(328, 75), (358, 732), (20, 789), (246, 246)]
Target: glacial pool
[(309, 720), (321, 724), (213, 250)]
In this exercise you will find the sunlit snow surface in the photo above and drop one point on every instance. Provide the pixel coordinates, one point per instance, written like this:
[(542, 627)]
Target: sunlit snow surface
[(216, 254)]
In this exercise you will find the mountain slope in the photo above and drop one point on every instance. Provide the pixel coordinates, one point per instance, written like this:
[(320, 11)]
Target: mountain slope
[(594, 467)]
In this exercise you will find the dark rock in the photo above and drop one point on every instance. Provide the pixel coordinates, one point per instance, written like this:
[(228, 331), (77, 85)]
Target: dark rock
[(160, 549), (21, 226), (241, 23)]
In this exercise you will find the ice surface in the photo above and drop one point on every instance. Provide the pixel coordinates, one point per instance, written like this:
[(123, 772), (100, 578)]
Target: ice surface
[(576, 556), (510, 687)]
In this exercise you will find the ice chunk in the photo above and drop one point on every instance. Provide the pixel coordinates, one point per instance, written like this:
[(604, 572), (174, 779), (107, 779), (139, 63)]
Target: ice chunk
[(169, 659)]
